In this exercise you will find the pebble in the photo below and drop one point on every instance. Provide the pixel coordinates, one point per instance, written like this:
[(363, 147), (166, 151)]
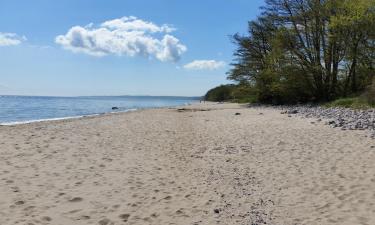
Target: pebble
[(346, 119)]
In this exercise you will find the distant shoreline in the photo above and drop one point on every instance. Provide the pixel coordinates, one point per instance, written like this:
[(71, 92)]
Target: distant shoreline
[(104, 96)]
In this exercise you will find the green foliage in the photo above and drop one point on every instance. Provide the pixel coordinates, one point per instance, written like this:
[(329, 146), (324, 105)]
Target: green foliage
[(234, 93), (369, 95), (219, 94), (354, 103), (251, 99), (307, 50), (244, 93)]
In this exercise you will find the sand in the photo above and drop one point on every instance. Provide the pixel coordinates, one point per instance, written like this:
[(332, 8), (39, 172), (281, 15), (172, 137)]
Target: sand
[(164, 166)]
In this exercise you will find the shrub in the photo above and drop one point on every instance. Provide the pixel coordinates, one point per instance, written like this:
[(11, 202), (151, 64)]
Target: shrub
[(220, 93), (241, 93), (369, 94), (355, 103)]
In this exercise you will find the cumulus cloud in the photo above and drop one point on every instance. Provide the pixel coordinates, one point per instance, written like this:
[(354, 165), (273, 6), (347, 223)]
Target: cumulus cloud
[(133, 23), (128, 36), (9, 39), (204, 65)]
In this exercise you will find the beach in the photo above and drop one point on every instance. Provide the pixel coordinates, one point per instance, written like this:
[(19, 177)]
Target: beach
[(200, 164)]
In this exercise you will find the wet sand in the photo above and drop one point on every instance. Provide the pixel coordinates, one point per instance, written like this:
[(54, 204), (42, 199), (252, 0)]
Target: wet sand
[(201, 165)]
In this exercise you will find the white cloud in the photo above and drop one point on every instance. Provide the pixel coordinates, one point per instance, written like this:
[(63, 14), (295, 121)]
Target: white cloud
[(8, 39), (125, 36), (204, 65), (133, 23)]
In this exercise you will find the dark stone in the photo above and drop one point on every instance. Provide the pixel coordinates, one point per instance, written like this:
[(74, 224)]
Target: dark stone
[(114, 108), (237, 114), (294, 111), (216, 210)]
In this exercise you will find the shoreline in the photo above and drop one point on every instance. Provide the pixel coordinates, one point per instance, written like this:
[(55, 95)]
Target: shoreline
[(207, 164), (64, 118), (68, 118), (30, 109), (335, 117)]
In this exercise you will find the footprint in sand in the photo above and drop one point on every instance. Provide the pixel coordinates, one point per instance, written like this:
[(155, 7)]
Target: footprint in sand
[(168, 198), (46, 218), (116, 206), (84, 217), (19, 203), (124, 217), (180, 211), (74, 211), (105, 221), (9, 181), (76, 199)]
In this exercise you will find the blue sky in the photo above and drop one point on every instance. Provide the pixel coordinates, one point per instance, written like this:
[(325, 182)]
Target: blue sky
[(118, 47)]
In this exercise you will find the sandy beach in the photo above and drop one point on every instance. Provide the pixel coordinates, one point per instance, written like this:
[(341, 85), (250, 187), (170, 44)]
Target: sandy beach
[(202, 165)]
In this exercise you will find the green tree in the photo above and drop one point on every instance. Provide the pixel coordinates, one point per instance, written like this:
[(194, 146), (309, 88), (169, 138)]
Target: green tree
[(304, 50)]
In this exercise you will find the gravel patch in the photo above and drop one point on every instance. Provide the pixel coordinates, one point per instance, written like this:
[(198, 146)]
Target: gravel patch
[(343, 118)]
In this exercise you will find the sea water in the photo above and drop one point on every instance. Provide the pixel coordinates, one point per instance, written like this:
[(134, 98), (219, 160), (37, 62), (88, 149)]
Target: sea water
[(26, 109)]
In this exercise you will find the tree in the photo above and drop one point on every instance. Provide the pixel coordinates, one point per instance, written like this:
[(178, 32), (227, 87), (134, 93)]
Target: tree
[(303, 50), (220, 93)]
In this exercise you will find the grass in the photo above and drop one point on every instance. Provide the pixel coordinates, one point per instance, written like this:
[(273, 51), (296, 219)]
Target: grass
[(354, 103)]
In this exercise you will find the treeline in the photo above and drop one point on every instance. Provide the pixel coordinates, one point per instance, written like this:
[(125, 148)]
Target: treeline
[(307, 50), (231, 92)]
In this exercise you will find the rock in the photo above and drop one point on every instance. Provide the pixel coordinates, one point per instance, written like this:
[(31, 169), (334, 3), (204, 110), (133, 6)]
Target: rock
[(294, 111), (344, 118), (114, 108), (237, 114), (216, 210)]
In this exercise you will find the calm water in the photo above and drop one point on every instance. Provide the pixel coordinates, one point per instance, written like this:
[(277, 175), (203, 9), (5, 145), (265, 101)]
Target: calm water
[(25, 109)]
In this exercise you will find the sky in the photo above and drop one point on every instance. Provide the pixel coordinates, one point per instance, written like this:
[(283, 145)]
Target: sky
[(118, 47)]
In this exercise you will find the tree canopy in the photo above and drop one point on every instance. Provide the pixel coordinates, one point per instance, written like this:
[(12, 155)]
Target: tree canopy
[(307, 50)]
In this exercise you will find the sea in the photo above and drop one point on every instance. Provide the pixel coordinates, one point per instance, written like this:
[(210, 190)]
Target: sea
[(28, 109)]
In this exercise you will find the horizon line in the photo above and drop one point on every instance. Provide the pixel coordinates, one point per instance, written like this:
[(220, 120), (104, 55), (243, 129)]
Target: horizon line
[(77, 96)]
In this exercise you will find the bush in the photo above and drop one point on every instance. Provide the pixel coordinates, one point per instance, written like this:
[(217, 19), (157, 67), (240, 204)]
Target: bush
[(369, 94), (244, 93), (241, 93), (219, 94), (355, 103)]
